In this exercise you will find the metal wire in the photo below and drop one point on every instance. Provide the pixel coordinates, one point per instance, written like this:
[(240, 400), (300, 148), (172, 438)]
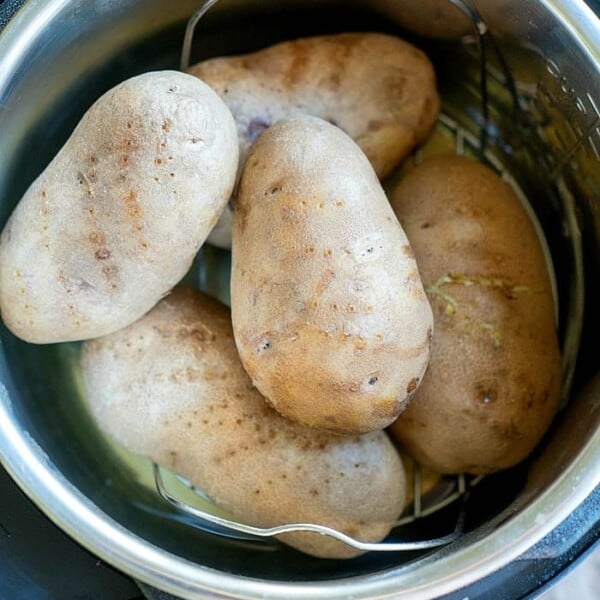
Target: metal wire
[(263, 532), (188, 38)]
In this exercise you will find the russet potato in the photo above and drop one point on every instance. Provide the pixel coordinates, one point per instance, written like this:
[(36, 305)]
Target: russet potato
[(378, 88), (329, 314), (115, 220), (171, 387), (492, 385)]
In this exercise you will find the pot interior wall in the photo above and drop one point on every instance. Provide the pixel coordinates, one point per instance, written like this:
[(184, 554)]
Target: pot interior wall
[(64, 75)]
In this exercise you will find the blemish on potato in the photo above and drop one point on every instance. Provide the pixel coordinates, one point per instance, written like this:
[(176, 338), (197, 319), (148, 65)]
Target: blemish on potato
[(109, 270), (263, 345), (486, 393), (412, 385), (102, 254), (408, 251), (374, 125), (360, 343), (158, 161), (166, 126)]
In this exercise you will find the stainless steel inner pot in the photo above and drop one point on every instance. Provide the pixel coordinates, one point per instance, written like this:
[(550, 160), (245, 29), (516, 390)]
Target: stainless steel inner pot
[(58, 56)]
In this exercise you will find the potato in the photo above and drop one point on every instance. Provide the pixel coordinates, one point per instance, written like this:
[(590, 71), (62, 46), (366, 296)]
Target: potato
[(379, 89), (492, 385), (329, 314), (171, 387), (115, 220), (440, 19)]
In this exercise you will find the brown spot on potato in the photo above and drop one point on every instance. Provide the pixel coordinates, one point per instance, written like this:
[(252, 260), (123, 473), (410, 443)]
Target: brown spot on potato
[(412, 385), (360, 343), (97, 237), (102, 254), (374, 125), (109, 270), (408, 251), (158, 161), (334, 81), (297, 69), (166, 126), (486, 393), (242, 212), (132, 206), (273, 189)]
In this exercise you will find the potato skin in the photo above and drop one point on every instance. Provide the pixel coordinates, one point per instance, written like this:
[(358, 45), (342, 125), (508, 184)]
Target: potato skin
[(115, 220), (171, 387), (492, 385), (329, 314), (439, 19), (379, 89)]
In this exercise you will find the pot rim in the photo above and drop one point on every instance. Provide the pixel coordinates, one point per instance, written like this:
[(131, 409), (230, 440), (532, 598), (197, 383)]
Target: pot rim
[(79, 517)]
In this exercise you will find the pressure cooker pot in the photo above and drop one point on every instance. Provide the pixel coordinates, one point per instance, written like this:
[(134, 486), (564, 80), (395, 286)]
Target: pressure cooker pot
[(520, 89)]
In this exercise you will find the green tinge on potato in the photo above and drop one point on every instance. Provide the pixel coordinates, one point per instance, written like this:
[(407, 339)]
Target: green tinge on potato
[(171, 387), (115, 220), (492, 385), (329, 314), (377, 88)]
